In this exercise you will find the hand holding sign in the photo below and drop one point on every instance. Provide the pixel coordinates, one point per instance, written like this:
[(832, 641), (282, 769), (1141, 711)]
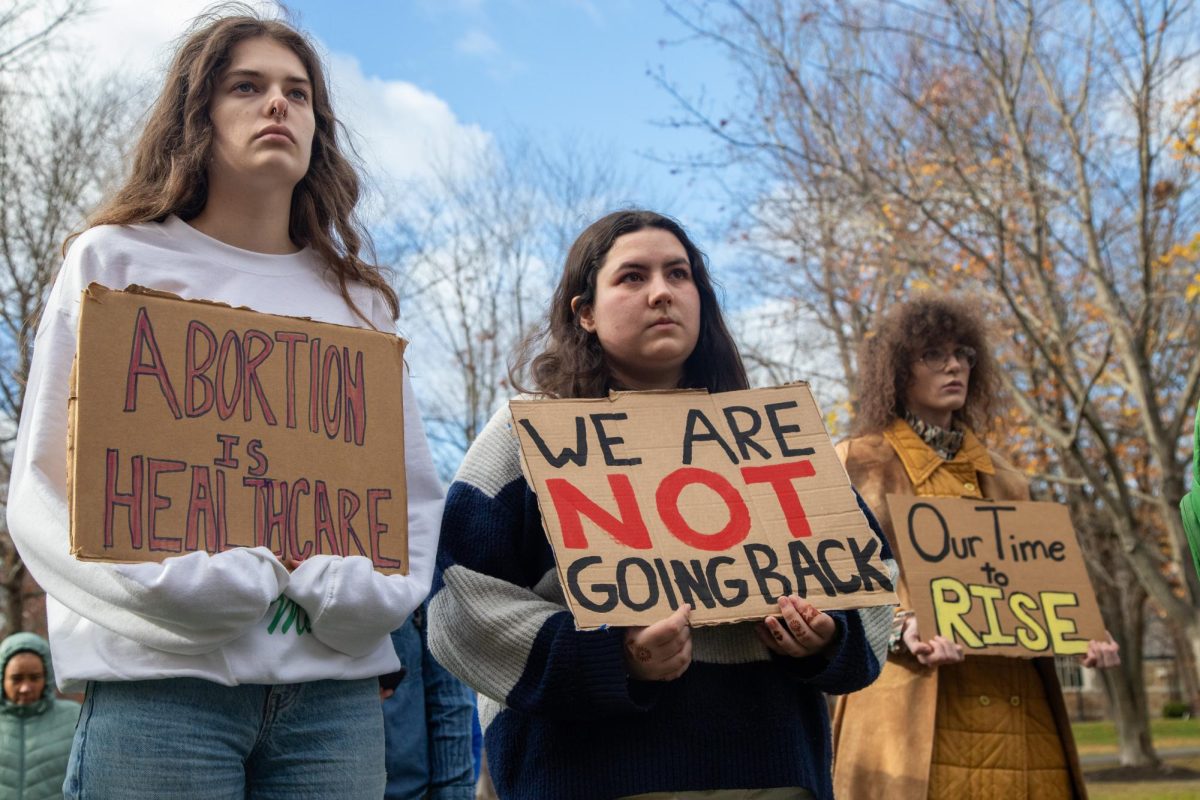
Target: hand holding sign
[(934, 653), (1102, 654), (662, 651), (801, 630)]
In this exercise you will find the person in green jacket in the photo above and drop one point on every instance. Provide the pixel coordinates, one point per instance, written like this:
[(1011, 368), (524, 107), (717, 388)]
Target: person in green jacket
[(35, 726), (1189, 506)]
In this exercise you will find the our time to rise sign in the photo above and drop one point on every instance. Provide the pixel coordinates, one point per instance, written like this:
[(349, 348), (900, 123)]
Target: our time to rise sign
[(199, 427), (997, 577), (724, 501)]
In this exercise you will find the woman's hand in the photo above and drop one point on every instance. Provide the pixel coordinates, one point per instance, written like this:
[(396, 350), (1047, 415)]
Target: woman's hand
[(1102, 654), (800, 630), (662, 651), (937, 651)]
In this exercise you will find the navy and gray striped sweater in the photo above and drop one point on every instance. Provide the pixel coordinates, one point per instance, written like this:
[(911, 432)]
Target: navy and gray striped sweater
[(562, 718)]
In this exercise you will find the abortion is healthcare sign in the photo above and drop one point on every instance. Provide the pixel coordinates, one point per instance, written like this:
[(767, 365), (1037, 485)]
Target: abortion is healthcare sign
[(723, 501), (196, 426), (997, 577)]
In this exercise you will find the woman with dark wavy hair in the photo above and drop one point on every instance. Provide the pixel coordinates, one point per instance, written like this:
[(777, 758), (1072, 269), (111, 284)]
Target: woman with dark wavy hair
[(938, 724), (567, 359), (239, 193), (658, 712)]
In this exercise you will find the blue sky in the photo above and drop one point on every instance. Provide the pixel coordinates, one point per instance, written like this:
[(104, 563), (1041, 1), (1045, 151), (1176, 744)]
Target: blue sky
[(551, 68), (420, 82)]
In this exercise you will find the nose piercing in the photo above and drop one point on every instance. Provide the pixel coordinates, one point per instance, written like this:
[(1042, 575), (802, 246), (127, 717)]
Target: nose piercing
[(278, 110)]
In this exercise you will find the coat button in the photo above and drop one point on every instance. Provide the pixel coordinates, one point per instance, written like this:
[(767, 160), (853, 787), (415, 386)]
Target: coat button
[(1015, 700), (970, 487), (984, 700)]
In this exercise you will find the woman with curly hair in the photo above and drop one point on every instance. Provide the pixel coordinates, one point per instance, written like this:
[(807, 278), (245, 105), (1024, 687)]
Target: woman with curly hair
[(938, 723)]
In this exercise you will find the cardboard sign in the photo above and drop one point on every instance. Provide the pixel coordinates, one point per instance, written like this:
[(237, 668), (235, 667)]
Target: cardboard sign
[(997, 577), (196, 426), (727, 502)]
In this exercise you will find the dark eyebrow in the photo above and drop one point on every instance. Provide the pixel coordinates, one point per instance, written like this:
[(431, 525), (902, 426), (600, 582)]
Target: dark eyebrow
[(675, 262), (253, 73)]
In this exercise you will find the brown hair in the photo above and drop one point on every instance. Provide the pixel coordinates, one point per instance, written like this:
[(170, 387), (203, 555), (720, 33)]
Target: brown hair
[(571, 362), (169, 174), (886, 357)]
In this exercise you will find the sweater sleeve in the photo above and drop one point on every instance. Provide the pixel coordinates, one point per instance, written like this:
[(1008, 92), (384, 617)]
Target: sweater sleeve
[(350, 605), (187, 604), (490, 622)]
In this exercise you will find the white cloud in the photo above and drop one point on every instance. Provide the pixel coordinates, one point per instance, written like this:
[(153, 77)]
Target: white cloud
[(590, 10), (475, 7), (477, 43), (131, 37), (400, 130), (783, 343), (403, 131)]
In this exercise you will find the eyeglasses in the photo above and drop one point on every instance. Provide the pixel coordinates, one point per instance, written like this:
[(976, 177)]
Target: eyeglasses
[(937, 359)]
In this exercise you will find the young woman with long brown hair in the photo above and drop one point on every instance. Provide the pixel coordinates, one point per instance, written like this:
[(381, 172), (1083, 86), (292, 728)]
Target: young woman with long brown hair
[(937, 724), (239, 193), (728, 711)]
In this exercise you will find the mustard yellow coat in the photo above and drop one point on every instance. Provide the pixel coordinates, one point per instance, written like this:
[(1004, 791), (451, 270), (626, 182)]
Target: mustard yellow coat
[(990, 727)]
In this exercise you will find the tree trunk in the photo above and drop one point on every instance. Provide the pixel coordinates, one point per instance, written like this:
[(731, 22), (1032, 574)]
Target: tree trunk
[(1191, 653), (1122, 600), (1124, 685), (1127, 698), (14, 597), (1183, 642)]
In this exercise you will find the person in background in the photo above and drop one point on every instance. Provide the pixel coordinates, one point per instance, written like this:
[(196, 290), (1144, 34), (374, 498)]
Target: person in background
[(937, 724), (725, 711), (428, 723), (239, 193), (1189, 505), (35, 726)]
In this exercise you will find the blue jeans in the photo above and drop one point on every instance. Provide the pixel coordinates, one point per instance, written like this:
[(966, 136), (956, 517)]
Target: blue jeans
[(197, 740), (427, 725)]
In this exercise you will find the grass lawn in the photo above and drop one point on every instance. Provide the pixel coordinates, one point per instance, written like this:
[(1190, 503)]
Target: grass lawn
[(1154, 790), (1160, 790), (1101, 737)]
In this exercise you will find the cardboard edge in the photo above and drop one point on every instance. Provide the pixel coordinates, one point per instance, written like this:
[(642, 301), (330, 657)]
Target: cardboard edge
[(72, 417), (877, 598), (401, 345), (98, 291), (542, 509)]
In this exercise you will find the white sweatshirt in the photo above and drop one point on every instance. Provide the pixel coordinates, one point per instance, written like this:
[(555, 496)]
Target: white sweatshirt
[(198, 615)]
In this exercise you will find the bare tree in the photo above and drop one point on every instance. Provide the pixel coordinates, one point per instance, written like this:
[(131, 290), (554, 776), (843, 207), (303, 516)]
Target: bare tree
[(1041, 156), (28, 26), (477, 258), (57, 149)]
